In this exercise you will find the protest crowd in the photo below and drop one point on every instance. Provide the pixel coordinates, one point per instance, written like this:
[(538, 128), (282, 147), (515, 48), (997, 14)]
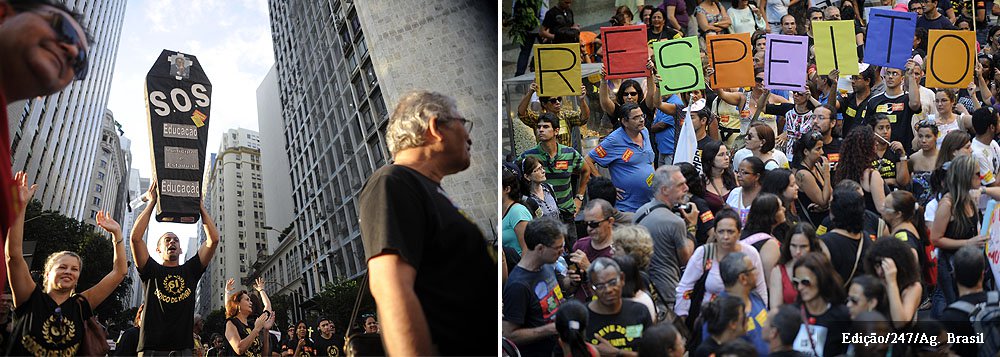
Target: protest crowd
[(764, 178)]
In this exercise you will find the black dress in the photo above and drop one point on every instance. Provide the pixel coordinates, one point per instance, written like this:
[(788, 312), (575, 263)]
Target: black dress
[(42, 327)]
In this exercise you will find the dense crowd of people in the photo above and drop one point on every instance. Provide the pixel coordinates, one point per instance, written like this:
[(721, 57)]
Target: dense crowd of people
[(806, 220)]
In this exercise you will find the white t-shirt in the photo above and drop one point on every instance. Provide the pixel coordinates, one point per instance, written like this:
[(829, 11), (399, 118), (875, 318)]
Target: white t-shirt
[(778, 159), (735, 200), (989, 165)]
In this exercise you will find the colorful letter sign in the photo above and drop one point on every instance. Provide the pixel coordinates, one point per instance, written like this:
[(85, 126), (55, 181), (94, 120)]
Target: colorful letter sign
[(890, 38), (785, 62), (678, 63), (625, 52), (732, 59), (950, 56), (836, 47), (557, 70)]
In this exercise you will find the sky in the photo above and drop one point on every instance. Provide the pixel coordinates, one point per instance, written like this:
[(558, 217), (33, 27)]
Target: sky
[(232, 41)]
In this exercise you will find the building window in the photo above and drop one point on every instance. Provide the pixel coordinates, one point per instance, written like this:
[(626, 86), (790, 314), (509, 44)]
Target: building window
[(100, 176), (104, 163), (98, 188), (97, 201), (93, 214)]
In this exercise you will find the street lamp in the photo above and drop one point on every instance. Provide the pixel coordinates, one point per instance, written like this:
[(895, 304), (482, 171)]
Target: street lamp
[(43, 214)]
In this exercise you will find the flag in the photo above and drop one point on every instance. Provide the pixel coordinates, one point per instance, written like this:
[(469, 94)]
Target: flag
[(687, 143)]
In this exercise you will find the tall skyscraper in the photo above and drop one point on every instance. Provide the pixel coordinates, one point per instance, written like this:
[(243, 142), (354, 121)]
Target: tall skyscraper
[(55, 139), (277, 181), (237, 206), (112, 163), (137, 187), (338, 64)]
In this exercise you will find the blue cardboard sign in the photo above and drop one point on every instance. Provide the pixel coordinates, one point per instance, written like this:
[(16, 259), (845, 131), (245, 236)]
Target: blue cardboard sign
[(890, 38)]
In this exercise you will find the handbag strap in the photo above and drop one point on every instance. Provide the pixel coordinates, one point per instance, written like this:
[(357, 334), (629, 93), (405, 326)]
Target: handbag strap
[(809, 333), (357, 303), (861, 244)]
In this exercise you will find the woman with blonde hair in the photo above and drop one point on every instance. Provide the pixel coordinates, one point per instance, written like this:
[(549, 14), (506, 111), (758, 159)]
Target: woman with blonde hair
[(49, 318), (248, 340)]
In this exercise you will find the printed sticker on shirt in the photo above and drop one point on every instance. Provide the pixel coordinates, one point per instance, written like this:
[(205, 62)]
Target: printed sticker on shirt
[(834, 158), (649, 180), (821, 230), (761, 318), (882, 108), (724, 119), (902, 236), (562, 164), (892, 118), (988, 177), (634, 331), (850, 111), (687, 294), (601, 153), (897, 107), (627, 155), (707, 217)]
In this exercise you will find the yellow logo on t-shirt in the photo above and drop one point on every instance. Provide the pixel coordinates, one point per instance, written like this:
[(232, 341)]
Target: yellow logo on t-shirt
[(174, 290), (902, 236)]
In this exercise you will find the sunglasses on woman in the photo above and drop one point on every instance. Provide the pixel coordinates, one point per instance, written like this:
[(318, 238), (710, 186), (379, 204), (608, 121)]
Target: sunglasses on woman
[(804, 282)]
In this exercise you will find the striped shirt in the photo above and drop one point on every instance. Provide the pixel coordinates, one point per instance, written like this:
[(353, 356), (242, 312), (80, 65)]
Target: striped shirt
[(559, 171), (567, 120)]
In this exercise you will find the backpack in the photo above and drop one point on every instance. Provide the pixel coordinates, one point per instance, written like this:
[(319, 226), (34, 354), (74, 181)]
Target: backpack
[(985, 319)]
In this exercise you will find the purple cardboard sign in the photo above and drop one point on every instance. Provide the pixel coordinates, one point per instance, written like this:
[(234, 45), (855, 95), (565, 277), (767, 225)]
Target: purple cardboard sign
[(785, 61)]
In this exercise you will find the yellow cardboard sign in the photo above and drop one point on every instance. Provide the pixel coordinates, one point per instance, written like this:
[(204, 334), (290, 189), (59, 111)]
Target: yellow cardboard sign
[(557, 70), (950, 58), (732, 58), (836, 47)]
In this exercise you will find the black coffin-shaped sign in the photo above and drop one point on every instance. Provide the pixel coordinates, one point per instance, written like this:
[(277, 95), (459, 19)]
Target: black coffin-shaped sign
[(178, 99)]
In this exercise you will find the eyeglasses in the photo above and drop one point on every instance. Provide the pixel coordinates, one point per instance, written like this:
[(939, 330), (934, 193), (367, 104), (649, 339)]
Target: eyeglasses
[(745, 172), (595, 224), (560, 247), (63, 27), (815, 135), (759, 79), (751, 270), (631, 94), (893, 74), (609, 284), (466, 123), (804, 282), (554, 100), (853, 300), (637, 117)]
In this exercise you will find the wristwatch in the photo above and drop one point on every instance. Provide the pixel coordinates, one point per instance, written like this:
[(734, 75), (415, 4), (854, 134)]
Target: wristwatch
[(579, 196)]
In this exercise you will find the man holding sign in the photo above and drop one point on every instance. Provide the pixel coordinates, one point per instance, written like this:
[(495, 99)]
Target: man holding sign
[(567, 118), (898, 105)]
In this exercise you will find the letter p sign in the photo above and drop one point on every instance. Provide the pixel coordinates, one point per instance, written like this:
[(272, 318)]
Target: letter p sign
[(557, 70)]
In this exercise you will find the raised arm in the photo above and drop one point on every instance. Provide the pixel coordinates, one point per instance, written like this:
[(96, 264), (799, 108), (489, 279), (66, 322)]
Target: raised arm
[(603, 91), (652, 86), (207, 250), (96, 294), (522, 107), (259, 286), (732, 98), (140, 253), (914, 87), (21, 283)]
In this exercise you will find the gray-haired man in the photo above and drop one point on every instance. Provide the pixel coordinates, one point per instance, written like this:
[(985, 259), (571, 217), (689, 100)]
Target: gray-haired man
[(427, 263)]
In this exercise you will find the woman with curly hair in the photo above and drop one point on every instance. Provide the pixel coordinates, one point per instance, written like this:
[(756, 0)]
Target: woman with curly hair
[(856, 158), (719, 179), (890, 260)]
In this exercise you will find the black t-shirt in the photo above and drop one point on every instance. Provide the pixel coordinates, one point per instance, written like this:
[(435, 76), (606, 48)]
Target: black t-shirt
[(957, 322), (44, 328), (402, 212), (886, 165), (531, 299), (837, 320), (257, 347), (308, 349), (900, 116), (168, 320), (843, 254), (696, 161), (623, 330), (852, 112), (127, 342), (832, 153), (788, 354), (331, 347), (557, 18), (707, 347)]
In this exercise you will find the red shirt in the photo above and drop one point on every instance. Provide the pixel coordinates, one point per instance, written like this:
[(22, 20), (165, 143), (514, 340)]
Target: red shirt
[(8, 189)]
